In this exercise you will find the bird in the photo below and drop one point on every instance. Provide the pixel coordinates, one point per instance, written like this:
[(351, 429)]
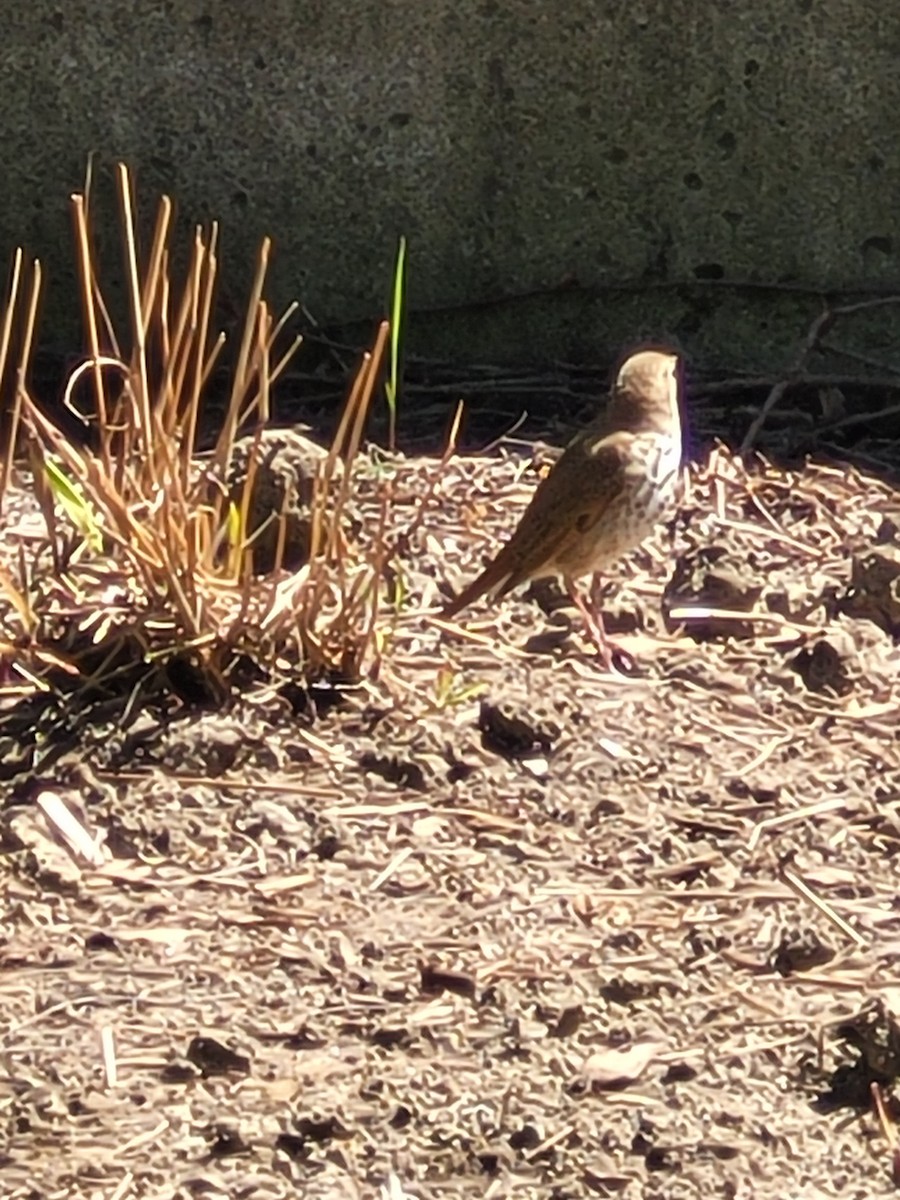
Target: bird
[(614, 482)]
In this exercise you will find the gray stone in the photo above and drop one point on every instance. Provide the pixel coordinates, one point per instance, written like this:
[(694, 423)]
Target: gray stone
[(283, 482), (609, 169)]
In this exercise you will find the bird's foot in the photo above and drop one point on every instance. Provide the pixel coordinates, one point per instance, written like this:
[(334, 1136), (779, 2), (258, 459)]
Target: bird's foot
[(619, 661), (611, 656)]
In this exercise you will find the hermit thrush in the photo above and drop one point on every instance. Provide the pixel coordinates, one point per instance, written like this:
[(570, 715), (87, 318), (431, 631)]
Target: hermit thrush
[(603, 497)]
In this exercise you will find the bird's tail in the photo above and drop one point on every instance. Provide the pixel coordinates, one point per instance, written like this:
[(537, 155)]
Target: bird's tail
[(495, 580)]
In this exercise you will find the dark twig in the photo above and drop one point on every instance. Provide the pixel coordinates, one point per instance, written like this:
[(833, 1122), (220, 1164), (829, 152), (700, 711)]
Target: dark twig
[(755, 383), (865, 360), (885, 464), (822, 322), (864, 418), (507, 437), (817, 329)]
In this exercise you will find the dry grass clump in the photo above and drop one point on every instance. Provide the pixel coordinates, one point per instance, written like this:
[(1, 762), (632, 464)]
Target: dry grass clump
[(145, 560)]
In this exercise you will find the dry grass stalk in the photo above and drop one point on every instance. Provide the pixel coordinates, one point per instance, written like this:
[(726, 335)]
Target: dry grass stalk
[(10, 434), (162, 536)]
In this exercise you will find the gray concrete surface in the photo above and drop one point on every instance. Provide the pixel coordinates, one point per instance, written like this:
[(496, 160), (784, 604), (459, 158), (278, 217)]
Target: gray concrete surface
[(628, 147)]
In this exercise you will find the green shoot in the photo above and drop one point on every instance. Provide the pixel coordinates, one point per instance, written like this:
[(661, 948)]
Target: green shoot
[(449, 692), (71, 499), (392, 385)]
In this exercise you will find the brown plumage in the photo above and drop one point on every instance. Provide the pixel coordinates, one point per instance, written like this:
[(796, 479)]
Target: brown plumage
[(602, 498)]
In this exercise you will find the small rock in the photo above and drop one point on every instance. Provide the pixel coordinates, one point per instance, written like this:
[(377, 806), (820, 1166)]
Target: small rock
[(287, 463), (874, 592), (822, 669), (705, 578)]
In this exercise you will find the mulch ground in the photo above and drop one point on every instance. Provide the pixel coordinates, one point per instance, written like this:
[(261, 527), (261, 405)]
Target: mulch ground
[(499, 923)]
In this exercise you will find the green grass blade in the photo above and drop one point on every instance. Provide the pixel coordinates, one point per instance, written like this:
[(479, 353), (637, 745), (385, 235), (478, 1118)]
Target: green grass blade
[(393, 383), (71, 499)]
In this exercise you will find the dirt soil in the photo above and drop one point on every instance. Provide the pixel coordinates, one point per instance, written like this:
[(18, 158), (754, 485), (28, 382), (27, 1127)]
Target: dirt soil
[(498, 923)]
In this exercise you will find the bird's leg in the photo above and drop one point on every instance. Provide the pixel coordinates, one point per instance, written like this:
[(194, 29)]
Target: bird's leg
[(593, 619), (595, 595), (591, 612)]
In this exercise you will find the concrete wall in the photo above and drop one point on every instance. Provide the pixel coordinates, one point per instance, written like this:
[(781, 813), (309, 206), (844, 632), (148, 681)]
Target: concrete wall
[(649, 151)]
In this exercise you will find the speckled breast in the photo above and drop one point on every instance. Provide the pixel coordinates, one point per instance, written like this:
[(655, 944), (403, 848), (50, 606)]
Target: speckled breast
[(651, 481)]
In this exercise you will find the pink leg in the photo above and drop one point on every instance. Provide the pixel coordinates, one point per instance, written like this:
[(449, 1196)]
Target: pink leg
[(593, 619), (596, 588)]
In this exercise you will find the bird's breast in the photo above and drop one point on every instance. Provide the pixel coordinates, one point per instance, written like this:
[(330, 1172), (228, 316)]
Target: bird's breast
[(649, 485)]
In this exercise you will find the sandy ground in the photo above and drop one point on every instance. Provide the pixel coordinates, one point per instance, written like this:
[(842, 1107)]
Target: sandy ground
[(498, 924)]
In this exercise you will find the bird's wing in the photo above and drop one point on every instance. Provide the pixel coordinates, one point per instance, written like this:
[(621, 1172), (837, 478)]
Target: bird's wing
[(567, 503)]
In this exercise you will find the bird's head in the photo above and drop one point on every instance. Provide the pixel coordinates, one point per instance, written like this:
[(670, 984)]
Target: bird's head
[(645, 393)]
